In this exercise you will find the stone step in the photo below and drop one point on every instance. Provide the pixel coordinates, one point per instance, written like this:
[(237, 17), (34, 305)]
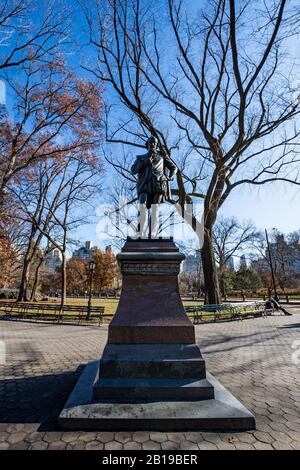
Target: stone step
[(223, 413), (152, 360), (148, 389)]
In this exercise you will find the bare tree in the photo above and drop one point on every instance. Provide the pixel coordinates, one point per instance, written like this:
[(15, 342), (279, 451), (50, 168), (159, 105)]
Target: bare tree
[(54, 202), (30, 33), (13, 239), (284, 251), (218, 83), (57, 113), (31, 198), (82, 184), (41, 256), (230, 239)]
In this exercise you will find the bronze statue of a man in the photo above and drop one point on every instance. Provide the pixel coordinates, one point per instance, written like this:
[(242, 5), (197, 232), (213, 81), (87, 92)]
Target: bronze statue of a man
[(155, 171)]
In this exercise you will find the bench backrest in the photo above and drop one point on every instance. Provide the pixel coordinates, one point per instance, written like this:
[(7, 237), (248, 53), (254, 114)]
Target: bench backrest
[(19, 307)]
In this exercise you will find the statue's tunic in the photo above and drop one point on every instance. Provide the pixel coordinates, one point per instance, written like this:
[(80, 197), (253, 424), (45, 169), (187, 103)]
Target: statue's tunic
[(152, 175)]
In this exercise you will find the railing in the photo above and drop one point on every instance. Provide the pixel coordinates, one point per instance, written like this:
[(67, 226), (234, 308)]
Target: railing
[(51, 312), (227, 311)]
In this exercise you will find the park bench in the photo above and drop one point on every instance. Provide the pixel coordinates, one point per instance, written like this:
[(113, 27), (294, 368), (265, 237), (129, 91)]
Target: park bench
[(227, 311), (249, 310), (209, 313), (51, 312)]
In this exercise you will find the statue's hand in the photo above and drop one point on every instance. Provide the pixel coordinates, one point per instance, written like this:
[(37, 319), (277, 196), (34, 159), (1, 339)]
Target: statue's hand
[(163, 178), (169, 178)]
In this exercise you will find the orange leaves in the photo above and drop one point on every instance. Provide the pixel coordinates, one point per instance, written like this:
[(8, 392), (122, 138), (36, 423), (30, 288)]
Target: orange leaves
[(77, 275), (57, 113), (8, 257), (106, 271)]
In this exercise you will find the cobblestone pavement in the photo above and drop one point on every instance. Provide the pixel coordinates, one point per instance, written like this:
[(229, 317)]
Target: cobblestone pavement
[(252, 358)]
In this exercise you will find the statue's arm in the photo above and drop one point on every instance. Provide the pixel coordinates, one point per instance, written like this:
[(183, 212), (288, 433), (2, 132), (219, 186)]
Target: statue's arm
[(171, 167), (138, 165)]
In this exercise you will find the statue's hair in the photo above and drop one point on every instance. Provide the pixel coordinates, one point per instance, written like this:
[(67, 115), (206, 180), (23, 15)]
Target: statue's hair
[(150, 140)]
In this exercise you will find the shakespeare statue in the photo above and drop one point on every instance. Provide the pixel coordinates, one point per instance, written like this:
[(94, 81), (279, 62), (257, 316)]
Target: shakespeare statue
[(154, 172)]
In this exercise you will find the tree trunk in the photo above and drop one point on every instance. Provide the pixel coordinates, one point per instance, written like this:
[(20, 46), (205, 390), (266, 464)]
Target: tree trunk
[(223, 288), (22, 296), (36, 281), (223, 284), (63, 280), (28, 257), (210, 269)]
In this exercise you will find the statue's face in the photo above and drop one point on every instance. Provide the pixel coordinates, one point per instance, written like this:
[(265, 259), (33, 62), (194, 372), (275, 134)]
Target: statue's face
[(152, 145)]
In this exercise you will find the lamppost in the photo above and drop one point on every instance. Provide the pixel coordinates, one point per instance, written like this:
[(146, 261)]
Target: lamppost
[(271, 266), (92, 266)]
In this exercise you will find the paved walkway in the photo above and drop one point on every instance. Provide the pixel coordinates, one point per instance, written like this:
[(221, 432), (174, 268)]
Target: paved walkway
[(252, 358)]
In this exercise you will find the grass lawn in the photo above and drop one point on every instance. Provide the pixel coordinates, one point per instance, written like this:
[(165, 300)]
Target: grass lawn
[(111, 304)]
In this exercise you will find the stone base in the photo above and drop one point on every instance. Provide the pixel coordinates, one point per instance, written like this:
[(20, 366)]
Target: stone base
[(150, 309), (152, 372), (223, 413)]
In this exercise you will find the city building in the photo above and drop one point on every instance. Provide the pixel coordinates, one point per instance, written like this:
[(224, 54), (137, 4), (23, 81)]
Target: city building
[(260, 265), (230, 263), (53, 260), (85, 252), (3, 110), (285, 256), (192, 263), (243, 262)]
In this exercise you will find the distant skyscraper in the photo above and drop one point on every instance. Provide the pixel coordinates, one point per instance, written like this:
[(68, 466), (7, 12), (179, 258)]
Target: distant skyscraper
[(85, 252), (3, 109), (230, 263), (243, 262), (53, 259), (192, 263)]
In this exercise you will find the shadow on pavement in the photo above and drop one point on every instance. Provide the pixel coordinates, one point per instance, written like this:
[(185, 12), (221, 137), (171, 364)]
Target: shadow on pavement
[(293, 325), (36, 399)]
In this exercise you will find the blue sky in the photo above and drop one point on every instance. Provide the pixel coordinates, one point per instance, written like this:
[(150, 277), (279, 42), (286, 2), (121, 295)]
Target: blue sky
[(273, 205), (2, 92), (270, 206)]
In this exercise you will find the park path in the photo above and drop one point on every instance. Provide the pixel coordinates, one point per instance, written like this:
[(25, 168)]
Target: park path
[(252, 358)]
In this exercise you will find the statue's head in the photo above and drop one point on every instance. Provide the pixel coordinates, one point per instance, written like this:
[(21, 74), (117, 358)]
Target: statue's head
[(152, 144)]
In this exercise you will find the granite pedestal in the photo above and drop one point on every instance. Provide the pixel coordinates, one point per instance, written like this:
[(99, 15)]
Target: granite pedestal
[(151, 374)]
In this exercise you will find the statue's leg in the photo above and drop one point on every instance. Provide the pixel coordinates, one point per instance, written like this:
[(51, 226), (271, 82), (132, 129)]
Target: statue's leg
[(142, 215), (157, 198)]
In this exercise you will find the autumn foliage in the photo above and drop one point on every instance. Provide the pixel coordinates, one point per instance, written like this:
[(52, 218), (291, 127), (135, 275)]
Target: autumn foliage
[(78, 274), (106, 271), (56, 113), (8, 259)]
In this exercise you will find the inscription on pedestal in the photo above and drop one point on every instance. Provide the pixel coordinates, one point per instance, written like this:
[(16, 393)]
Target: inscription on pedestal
[(138, 268)]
